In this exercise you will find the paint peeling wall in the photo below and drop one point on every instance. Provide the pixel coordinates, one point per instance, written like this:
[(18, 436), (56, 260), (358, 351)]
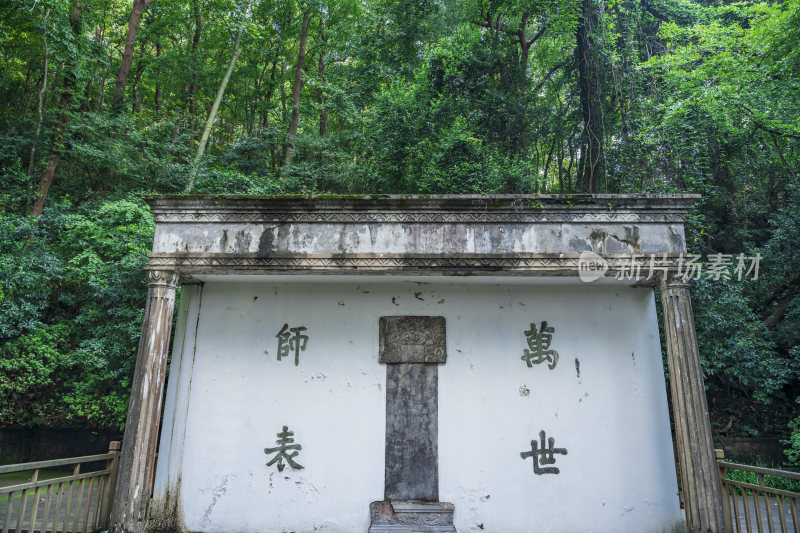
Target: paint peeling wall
[(229, 397), (373, 238)]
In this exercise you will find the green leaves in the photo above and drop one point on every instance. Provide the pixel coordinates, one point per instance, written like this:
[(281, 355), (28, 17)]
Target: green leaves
[(71, 312)]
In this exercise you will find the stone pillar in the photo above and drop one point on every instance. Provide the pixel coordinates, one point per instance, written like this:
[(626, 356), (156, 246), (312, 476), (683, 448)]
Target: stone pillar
[(412, 348), (699, 474), (137, 460)]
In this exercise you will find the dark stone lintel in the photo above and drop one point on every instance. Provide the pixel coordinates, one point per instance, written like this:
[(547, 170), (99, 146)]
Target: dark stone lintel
[(412, 339)]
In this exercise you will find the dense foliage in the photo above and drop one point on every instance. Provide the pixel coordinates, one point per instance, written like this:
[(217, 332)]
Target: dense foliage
[(102, 100)]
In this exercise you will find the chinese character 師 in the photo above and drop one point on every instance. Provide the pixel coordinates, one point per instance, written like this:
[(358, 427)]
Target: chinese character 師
[(539, 342), (287, 342), (543, 455), (284, 443)]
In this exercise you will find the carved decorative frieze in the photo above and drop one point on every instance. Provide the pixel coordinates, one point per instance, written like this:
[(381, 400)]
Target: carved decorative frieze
[(416, 217), (411, 516), (412, 339), (551, 264)]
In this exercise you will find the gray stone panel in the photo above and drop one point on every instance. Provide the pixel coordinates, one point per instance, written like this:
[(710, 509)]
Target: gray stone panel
[(412, 452)]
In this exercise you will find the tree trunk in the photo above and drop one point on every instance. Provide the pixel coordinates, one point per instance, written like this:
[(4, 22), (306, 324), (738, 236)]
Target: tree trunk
[(127, 55), (549, 158), (589, 88), (323, 100), (46, 180), (41, 97), (298, 80), (138, 76), (198, 26), (284, 112), (213, 113), (157, 95), (264, 119)]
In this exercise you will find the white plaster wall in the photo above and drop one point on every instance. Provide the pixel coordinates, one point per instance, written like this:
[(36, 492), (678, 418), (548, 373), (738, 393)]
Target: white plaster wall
[(618, 475)]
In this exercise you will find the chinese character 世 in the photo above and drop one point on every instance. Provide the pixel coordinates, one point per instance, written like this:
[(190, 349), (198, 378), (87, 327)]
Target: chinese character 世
[(284, 443), (539, 344), (543, 455), (287, 342)]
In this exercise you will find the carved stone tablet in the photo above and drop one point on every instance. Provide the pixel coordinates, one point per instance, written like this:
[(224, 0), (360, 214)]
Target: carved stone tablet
[(412, 339)]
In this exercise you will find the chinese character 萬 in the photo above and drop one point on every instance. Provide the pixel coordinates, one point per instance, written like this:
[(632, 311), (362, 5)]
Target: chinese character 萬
[(542, 455), (287, 342), (539, 342), (284, 443)]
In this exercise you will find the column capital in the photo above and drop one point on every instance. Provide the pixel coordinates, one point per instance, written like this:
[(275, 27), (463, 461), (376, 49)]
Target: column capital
[(162, 278), (672, 279)]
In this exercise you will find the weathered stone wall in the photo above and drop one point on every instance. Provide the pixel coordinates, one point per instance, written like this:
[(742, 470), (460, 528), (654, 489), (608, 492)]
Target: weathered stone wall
[(604, 403)]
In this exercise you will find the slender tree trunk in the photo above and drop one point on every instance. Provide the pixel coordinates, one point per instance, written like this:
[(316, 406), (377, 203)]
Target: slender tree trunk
[(569, 167), (41, 97), (46, 180), (157, 95), (58, 81), (284, 111), (86, 93), (589, 88), (298, 80), (127, 55), (213, 113), (549, 158), (28, 92), (323, 100), (198, 26), (138, 76), (264, 120), (101, 93)]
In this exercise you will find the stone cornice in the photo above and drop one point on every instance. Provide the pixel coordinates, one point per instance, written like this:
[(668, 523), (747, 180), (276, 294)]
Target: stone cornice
[(455, 235), (460, 264), (406, 209)]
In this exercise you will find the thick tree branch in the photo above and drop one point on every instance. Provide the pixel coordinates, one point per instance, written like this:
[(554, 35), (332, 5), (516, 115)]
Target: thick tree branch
[(780, 310), (768, 129), (548, 74)]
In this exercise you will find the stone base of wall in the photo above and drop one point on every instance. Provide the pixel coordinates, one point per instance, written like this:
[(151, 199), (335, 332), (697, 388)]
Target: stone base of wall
[(411, 516)]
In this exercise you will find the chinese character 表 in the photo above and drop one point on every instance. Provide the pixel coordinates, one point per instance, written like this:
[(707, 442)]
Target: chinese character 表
[(284, 443), (287, 342), (543, 455), (539, 342)]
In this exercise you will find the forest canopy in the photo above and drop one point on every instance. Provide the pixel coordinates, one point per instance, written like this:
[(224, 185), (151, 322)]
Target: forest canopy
[(102, 101)]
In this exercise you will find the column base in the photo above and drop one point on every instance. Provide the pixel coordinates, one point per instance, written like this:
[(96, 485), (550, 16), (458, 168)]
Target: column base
[(411, 516)]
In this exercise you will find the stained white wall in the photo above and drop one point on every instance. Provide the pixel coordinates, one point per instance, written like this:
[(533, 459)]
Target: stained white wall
[(228, 397)]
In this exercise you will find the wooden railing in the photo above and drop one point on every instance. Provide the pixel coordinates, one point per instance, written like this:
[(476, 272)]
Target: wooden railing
[(66, 503), (751, 507)]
